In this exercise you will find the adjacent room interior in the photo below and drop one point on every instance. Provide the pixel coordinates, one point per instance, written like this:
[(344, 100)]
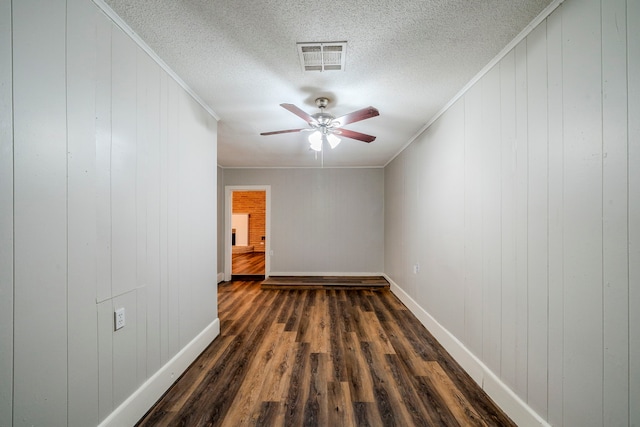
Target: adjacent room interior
[(248, 234)]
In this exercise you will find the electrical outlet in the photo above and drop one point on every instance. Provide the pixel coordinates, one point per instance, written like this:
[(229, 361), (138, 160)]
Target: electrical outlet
[(416, 268), (119, 318)]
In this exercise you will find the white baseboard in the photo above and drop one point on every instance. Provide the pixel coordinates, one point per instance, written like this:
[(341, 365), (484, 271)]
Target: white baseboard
[(136, 405), (220, 277), (502, 395), (315, 273)]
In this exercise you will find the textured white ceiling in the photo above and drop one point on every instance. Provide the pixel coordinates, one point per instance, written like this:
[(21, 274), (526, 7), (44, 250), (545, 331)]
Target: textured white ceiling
[(407, 58)]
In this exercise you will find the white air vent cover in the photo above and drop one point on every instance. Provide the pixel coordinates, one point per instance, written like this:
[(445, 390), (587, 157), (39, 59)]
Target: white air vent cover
[(324, 56)]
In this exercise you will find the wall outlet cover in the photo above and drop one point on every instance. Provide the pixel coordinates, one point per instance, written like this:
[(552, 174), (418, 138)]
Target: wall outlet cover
[(119, 318)]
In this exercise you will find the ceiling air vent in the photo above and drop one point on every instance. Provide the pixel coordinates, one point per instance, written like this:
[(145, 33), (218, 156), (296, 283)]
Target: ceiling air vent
[(325, 56)]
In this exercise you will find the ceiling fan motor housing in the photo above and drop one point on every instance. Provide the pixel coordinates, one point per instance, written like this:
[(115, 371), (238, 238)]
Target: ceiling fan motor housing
[(322, 102), (324, 121)]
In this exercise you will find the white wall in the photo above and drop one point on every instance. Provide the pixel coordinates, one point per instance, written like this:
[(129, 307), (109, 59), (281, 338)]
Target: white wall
[(322, 220), (220, 220), (114, 190), (240, 222), (526, 195), (6, 217)]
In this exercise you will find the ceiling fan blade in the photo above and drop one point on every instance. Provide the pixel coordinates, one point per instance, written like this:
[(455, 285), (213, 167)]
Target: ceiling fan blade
[(356, 116), (355, 135), (298, 112), (282, 131)]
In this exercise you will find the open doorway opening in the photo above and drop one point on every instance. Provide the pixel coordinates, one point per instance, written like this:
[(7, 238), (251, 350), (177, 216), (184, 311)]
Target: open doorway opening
[(247, 231)]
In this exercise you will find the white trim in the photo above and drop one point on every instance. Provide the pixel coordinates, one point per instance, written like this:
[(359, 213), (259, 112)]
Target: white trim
[(136, 405), (228, 189), (521, 36), (302, 167), (144, 46), (221, 277), (319, 274), (517, 409)]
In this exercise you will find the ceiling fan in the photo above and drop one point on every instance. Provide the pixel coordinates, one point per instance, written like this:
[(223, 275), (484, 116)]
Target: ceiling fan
[(326, 127)]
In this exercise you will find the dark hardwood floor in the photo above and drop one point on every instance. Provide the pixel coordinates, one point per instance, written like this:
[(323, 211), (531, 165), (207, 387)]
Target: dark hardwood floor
[(321, 358)]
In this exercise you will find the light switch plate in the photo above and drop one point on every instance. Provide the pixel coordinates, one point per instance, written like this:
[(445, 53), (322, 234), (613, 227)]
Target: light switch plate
[(119, 318)]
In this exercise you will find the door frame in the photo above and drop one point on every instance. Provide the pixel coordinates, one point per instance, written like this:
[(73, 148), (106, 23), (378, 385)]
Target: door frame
[(228, 190)]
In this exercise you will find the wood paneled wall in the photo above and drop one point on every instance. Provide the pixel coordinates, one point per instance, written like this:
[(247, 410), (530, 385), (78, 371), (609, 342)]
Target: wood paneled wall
[(520, 205), (113, 185), (6, 217)]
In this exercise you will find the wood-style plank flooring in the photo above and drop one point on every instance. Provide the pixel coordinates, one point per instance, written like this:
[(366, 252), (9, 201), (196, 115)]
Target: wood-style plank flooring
[(322, 358), (251, 263)]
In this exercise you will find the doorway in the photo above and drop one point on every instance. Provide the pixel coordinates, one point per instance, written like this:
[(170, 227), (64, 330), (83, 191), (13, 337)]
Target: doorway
[(247, 232)]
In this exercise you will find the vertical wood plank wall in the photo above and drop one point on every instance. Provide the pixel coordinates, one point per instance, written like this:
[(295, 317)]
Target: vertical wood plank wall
[(40, 186), (541, 155), (555, 233), (112, 167), (6, 217), (615, 172), (81, 214), (633, 191)]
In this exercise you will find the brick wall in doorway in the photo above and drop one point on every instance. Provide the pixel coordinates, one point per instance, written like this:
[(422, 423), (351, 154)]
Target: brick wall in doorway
[(254, 203)]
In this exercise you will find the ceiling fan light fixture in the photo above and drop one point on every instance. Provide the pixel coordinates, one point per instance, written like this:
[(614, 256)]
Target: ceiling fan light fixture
[(333, 140), (325, 127), (315, 139)]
